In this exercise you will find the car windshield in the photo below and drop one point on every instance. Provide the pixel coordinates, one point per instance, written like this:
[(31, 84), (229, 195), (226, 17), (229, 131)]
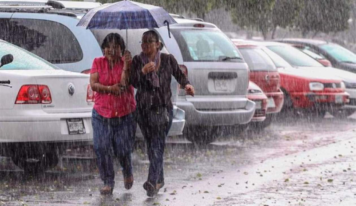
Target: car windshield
[(205, 45), (23, 60), (340, 53), (294, 56), (257, 60)]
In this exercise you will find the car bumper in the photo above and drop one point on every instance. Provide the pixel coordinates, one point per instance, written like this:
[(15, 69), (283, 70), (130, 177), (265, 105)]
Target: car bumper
[(223, 117), (320, 100), (44, 128)]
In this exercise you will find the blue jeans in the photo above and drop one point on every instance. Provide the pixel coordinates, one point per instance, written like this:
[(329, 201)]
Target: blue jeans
[(113, 136), (156, 139)]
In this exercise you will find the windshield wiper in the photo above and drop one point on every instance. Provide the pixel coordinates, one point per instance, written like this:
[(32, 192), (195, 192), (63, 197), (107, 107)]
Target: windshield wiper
[(229, 58)]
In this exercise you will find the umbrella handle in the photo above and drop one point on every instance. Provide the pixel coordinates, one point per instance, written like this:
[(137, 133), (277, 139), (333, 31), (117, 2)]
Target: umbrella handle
[(169, 33)]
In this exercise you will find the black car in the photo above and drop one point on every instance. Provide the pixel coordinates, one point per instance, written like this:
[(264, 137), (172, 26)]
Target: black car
[(339, 56)]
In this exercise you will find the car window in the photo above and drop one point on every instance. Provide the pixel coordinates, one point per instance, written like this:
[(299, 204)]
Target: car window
[(340, 53), (23, 60), (257, 60), (50, 40), (312, 54), (278, 61), (294, 56), (205, 45)]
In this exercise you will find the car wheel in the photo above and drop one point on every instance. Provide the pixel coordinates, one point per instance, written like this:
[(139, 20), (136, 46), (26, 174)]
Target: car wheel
[(342, 113), (287, 103), (261, 125), (201, 135), (35, 162)]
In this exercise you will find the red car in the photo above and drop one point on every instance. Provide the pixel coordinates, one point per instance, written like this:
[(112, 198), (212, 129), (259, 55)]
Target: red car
[(263, 73), (305, 90)]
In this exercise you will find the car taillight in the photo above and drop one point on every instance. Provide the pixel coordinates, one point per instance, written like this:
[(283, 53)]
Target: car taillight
[(34, 94), (90, 94)]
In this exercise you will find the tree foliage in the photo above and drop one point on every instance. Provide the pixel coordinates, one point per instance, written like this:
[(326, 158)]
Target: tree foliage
[(324, 16), (266, 15)]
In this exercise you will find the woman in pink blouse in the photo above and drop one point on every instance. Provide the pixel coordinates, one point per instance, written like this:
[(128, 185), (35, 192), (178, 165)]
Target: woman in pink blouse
[(113, 120)]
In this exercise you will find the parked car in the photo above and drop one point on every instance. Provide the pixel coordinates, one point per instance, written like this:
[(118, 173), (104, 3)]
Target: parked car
[(265, 74), (43, 109), (302, 61), (339, 56), (215, 69), (49, 29), (256, 95), (308, 88), (321, 59)]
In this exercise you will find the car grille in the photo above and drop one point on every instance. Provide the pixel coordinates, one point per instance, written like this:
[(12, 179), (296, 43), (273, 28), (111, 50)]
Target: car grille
[(332, 85), (352, 102), (351, 85)]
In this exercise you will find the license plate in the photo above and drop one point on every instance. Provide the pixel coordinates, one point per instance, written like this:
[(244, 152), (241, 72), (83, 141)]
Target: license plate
[(75, 126), (221, 85), (339, 99), (258, 105), (271, 103)]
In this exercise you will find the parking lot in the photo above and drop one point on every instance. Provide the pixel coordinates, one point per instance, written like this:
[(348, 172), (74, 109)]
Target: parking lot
[(292, 162)]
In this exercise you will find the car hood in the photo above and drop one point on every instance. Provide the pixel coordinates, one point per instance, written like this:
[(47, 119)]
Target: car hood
[(309, 73), (342, 74)]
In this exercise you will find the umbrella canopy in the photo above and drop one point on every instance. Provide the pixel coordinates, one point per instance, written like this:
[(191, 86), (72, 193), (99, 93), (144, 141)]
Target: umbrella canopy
[(126, 15)]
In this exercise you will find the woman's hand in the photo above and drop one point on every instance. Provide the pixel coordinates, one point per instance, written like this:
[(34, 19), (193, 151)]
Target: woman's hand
[(189, 90), (149, 67), (116, 89)]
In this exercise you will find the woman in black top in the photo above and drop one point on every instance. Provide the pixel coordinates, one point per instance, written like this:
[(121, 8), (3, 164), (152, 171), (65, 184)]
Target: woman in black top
[(151, 74)]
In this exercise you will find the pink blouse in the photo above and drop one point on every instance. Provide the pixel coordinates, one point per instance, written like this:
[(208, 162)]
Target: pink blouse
[(108, 105)]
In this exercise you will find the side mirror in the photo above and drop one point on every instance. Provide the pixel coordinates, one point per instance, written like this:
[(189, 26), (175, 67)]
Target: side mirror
[(6, 59)]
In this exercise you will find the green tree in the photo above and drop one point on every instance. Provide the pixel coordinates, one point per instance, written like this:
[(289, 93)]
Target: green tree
[(263, 15), (324, 16)]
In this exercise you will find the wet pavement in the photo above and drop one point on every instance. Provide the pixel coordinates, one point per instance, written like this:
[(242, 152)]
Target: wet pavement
[(293, 162)]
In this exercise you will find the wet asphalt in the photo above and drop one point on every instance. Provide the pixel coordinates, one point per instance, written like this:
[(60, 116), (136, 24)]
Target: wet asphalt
[(296, 161)]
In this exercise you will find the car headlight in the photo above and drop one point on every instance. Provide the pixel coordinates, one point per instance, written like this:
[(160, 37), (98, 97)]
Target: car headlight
[(254, 91), (316, 86), (343, 85)]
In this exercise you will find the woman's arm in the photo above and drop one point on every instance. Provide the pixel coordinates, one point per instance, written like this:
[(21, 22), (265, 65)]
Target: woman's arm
[(98, 87), (180, 77)]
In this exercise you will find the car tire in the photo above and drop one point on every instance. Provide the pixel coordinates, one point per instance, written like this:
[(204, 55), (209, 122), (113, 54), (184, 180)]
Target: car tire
[(35, 161), (201, 135), (288, 106), (262, 125)]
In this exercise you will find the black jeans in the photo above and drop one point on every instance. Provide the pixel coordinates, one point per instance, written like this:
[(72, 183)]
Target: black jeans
[(156, 139)]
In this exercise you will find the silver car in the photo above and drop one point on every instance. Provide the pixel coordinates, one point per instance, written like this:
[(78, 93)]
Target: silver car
[(49, 30)]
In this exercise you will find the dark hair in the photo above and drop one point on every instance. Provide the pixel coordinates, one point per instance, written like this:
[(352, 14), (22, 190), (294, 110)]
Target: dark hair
[(116, 38), (155, 35)]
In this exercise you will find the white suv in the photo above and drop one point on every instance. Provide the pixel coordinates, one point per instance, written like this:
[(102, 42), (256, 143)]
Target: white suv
[(48, 29), (215, 69)]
